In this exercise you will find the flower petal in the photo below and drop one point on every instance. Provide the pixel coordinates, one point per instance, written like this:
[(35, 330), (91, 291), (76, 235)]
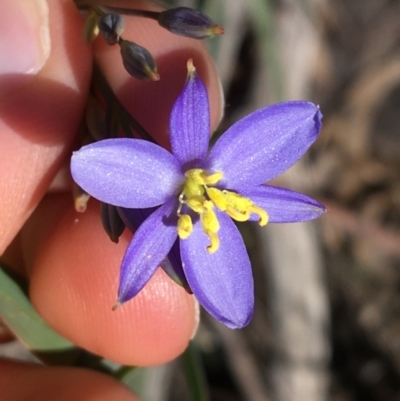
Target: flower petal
[(189, 123), (148, 248), (284, 205), (221, 281), (126, 172), (264, 144), (172, 265)]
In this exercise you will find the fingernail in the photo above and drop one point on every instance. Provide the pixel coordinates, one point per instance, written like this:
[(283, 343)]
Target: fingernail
[(24, 36)]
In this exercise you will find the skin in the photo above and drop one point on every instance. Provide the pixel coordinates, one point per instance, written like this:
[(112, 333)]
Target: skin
[(71, 264)]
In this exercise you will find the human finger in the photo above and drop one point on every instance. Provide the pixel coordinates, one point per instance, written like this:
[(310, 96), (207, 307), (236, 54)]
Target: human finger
[(44, 81), (20, 382)]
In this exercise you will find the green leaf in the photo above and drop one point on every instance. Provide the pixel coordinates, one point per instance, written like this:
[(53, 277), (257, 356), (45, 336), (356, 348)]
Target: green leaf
[(134, 378), (194, 372), (19, 315)]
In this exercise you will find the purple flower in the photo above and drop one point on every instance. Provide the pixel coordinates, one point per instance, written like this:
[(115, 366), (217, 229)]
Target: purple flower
[(197, 192)]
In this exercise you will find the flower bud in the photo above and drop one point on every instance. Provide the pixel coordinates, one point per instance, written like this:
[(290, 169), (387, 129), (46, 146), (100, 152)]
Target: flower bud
[(138, 61), (112, 222), (188, 22), (111, 27)]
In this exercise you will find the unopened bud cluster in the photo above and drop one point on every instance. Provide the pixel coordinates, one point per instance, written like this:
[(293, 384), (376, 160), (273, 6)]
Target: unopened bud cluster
[(139, 63)]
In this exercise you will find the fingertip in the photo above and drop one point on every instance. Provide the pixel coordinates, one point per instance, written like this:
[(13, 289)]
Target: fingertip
[(74, 284)]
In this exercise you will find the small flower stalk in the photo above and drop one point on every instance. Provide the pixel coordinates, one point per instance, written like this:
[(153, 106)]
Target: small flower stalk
[(182, 204)]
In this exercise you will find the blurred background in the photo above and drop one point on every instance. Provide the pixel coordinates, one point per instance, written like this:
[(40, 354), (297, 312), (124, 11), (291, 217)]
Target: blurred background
[(327, 317)]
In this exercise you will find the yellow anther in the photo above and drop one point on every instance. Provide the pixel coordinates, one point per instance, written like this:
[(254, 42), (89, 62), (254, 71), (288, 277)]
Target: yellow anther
[(196, 203), (239, 202), (209, 220), (201, 177), (210, 224), (238, 215), (208, 205), (263, 220), (185, 226), (218, 197), (212, 179), (214, 242)]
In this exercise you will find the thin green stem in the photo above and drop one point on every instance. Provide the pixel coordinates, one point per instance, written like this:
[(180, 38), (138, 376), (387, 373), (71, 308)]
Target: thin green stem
[(127, 11), (102, 9), (195, 375)]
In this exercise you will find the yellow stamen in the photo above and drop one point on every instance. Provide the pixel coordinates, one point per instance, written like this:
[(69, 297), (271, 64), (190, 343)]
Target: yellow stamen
[(214, 245), (196, 203), (201, 177), (237, 215), (185, 226), (210, 224), (212, 179), (208, 218), (199, 195), (217, 196), (263, 220)]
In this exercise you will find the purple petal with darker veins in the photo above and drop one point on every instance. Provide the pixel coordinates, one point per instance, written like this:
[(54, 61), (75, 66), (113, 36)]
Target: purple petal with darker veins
[(264, 144), (126, 172), (172, 265), (221, 281), (149, 246), (189, 123), (283, 205)]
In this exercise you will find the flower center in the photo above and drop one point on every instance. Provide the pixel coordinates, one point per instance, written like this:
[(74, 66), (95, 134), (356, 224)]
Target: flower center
[(200, 196)]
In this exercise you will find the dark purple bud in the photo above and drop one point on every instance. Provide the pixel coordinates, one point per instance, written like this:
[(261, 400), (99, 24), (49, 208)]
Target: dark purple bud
[(112, 222), (138, 61), (188, 22), (111, 26)]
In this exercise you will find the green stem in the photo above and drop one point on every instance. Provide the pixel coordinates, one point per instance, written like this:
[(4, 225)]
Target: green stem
[(127, 11), (101, 9), (195, 375)]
